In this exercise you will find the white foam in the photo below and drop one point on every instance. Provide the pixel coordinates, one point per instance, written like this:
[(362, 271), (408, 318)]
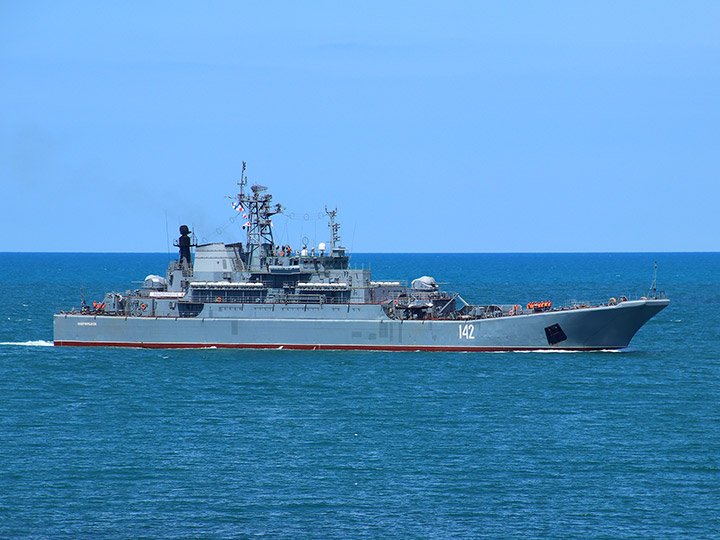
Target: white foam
[(548, 351), (566, 351), (37, 343)]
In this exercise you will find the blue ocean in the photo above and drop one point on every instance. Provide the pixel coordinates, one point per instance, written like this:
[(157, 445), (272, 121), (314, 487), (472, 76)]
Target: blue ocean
[(132, 443)]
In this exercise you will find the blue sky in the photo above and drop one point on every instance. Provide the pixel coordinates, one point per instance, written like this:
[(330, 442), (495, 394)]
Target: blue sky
[(434, 127)]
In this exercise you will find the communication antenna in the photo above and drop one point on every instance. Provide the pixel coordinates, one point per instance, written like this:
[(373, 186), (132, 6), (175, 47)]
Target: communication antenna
[(167, 235), (653, 286), (243, 180), (84, 308)]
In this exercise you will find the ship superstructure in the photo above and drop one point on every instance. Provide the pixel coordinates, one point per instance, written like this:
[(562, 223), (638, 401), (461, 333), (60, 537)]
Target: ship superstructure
[(259, 294)]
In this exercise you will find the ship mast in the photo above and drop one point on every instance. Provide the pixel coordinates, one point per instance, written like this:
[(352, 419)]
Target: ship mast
[(334, 228), (259, 209)]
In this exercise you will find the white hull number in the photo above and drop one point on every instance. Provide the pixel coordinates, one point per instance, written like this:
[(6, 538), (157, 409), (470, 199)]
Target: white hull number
[(467, 331)]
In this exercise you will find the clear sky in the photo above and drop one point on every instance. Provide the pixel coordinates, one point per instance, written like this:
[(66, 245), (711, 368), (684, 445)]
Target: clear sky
[(439, 126)]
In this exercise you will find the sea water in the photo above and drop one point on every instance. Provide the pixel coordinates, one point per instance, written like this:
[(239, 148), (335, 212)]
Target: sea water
[(132, 443)]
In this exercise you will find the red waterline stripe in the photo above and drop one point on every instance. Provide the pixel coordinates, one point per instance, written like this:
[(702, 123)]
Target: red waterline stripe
[(144, 345)]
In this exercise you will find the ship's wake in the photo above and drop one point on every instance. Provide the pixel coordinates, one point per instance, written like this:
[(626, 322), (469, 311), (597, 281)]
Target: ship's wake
[(35, 343)]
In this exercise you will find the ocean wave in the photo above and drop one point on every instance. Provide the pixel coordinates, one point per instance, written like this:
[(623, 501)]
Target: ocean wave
[(36, 343)]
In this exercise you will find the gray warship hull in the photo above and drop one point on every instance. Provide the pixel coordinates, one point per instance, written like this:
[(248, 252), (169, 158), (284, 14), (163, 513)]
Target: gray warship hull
[(358, 327)]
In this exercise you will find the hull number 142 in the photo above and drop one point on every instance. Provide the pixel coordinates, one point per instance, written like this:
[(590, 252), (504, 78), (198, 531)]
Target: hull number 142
[(467, 331)]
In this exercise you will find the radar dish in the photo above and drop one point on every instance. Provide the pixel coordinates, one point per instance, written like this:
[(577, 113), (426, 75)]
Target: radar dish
[(257, 188)]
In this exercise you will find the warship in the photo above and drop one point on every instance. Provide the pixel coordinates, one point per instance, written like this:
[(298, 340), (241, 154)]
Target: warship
[(261, 295)]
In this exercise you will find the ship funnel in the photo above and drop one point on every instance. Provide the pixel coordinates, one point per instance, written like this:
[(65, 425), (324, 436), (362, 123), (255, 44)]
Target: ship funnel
[(184, 245)]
